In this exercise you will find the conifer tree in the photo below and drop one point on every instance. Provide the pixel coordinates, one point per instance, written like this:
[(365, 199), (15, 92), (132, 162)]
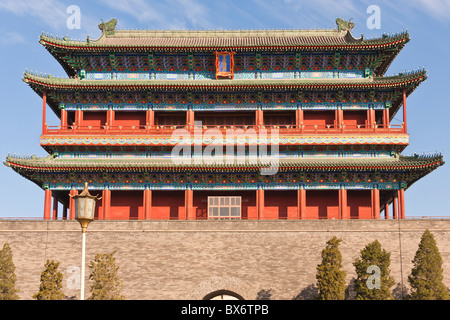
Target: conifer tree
[(8, 277), (51, 283), (373, 280), (427, 274), (106, 283), (330, 276)]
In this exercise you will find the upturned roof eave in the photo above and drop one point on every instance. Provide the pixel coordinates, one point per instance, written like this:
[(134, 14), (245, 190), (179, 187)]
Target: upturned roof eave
[(417, 166), (51, 163), (409, 82), (351, 43), (395, 43), (399, 80)]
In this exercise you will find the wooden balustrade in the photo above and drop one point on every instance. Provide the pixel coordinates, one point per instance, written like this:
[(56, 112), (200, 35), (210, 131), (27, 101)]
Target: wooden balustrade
[(169, 129)]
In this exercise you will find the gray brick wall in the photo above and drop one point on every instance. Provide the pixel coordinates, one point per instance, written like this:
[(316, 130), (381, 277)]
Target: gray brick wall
[(189, 259)]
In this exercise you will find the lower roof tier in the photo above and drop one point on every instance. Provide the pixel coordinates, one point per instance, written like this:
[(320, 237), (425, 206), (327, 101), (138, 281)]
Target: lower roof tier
[(221, 173)]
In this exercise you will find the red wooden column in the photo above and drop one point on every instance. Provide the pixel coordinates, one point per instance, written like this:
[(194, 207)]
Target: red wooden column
[(189, 204), (78, 117), (63, 119), (106, 203), (55, 207), (368, 119), (339, 117), (259, 118), (300, 119), (375, 204), (301, 202), (401, 203), (44, 108), (337, 121), (343, 212), (373, 119), (190, 118), (395, 207), (150, 117), (386, 210), (147, 203), (73, 192), (404, 112), (110, 117), (386, 118), (260, 203), (47, 204)]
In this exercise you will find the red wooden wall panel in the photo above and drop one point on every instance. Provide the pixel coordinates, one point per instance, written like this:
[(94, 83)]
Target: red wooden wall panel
[(126, 205), (95, 119), (167, 205), (129, 118), (359, 203), (280, 204), (320, 118), (354, 118), (225, 118), (322, 204)]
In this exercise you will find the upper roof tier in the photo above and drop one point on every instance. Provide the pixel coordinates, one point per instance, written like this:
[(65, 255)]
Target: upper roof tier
[(402, 80), (239, 41), (53, 86)]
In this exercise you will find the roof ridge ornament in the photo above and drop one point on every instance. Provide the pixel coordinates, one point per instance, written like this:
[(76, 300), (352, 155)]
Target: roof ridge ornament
[(343, 25), (108, 27)]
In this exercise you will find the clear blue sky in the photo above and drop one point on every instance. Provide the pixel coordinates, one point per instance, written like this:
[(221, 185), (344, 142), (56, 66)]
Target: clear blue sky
[(22, 21)]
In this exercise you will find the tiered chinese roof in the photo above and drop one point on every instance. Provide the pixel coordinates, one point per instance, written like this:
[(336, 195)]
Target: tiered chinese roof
[(144, 41), (415, 166), (354, 79), (409, 81)]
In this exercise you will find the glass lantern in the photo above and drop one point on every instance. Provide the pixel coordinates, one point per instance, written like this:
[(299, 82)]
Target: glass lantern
[(85, 207)]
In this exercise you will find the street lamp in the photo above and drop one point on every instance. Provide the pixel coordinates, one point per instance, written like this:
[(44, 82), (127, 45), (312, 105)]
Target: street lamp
[(84, 213)]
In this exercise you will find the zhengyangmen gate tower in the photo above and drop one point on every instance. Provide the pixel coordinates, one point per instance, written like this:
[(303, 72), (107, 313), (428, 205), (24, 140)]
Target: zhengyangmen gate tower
[(226, 101)]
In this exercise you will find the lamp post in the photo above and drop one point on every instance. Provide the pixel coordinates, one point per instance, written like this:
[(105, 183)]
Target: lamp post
[(84, 213)]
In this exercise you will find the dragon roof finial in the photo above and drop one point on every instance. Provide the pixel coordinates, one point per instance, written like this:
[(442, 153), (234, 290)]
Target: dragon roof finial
[(344, 25), (108, 27)]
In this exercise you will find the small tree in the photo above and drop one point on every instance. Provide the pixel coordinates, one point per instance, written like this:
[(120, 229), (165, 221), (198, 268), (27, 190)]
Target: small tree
[(373, 280), (104, 274), (8, 277), (330, 276), (51, 283), (427, 274)]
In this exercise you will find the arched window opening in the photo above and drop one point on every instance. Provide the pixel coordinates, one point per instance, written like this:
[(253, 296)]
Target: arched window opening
[(223, 295)]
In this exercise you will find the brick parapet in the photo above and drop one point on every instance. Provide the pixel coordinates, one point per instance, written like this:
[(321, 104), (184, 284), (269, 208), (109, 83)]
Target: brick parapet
[(189, 259)]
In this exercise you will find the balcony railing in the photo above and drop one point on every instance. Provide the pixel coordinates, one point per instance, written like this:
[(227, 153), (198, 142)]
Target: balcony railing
[(169, 129), (382, 217)]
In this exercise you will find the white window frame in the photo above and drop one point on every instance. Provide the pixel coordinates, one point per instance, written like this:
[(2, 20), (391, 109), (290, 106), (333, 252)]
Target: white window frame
[(224, 207)]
